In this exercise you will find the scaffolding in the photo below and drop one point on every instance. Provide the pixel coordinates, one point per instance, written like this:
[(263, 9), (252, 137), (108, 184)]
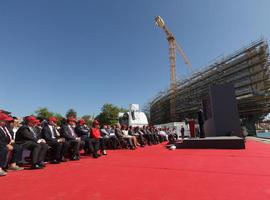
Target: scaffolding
[(248, 69)]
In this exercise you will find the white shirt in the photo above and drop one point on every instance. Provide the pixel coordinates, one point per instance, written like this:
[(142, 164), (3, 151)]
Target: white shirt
[(72, 131), (52, 131), (15, 131), (32, 130), (125, 132), (162, 133)]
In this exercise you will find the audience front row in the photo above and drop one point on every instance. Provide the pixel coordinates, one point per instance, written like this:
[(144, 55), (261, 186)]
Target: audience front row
[(45, 141)]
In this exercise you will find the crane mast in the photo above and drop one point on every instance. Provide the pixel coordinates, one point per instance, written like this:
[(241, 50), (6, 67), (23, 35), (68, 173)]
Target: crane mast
[(173, 46)]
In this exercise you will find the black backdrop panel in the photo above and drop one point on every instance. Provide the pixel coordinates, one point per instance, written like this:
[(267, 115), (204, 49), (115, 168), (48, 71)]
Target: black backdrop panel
[(224, 118)]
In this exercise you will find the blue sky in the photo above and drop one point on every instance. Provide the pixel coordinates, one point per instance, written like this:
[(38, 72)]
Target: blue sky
[(81, 54)]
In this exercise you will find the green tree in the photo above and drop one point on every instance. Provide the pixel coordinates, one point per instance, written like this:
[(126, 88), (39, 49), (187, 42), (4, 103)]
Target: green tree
[(71, 113), (43, 113), (123, 110), (88, 119), (109, 114), (59, 118)]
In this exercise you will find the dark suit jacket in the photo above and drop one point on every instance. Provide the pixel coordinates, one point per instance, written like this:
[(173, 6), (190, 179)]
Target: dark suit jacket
[(66, 133), (37, 130), (10, 131), (82, 131), (4, 140), (200, 117), (47, 134), (130, 132), (24, 134), (118, 133)]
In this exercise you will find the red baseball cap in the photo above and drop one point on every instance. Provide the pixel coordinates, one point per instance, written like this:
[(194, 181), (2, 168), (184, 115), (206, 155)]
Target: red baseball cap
[(53, 119), (37, 122), (31, 119), (95, 122), (82, 121), (5, 117)]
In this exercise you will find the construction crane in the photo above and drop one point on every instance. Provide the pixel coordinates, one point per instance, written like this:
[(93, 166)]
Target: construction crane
[(173, 46)]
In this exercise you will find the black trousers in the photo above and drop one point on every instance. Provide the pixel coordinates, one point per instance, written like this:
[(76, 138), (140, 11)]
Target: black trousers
[(113, 142), (202, 133), (140, 139), (16, 155), (3, 155), (59, 149), (38, 151), (149, 138), (172, 137), (156, 138), (182, 135), (162, 138), (82, 144), (103, 143), (74, 146), (129, 141), (93, 145)]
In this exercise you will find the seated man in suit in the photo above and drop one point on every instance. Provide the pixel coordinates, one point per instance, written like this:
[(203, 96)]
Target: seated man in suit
[(7, 144), (114, 142), (28, 138), (68, 132), (3, 149), (52, 136), (16, 154), (84, 133), (148, 135), (3, 157), (108, 139), (119, 134)]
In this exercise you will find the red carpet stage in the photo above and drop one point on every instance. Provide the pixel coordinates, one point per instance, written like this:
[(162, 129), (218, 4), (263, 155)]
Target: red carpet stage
[(153, 172)]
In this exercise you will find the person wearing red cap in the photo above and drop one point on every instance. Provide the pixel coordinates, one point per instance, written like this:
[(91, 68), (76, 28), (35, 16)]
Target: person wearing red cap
[(58, 145), (95, 134), (74, 142), (3, 147), (37, 129), (28, 138), (91, 146), (7, 144)]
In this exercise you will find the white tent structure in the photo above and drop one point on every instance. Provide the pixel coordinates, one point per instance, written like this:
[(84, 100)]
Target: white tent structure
[(134, 117)]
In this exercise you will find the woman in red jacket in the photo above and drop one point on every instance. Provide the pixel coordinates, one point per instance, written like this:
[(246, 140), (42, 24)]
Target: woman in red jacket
[(95, 133)]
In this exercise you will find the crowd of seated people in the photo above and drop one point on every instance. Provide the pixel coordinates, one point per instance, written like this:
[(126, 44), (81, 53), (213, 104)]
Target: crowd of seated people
[(46, 142)]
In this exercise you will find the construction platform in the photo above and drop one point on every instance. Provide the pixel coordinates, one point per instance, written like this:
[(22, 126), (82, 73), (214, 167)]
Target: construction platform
[(248, 69), (222, 142)]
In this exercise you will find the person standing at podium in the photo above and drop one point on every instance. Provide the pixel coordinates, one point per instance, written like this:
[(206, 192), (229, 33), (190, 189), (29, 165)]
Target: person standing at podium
[(182, 130), (201, 122)]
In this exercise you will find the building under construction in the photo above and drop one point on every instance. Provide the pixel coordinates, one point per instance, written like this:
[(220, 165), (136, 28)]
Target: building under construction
[(247, 69)]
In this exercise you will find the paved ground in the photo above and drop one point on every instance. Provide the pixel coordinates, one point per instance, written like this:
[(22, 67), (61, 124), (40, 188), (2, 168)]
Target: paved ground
[(264, 140)]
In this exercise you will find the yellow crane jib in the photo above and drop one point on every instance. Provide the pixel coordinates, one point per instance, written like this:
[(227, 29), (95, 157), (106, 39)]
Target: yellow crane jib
[(173, 46)]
